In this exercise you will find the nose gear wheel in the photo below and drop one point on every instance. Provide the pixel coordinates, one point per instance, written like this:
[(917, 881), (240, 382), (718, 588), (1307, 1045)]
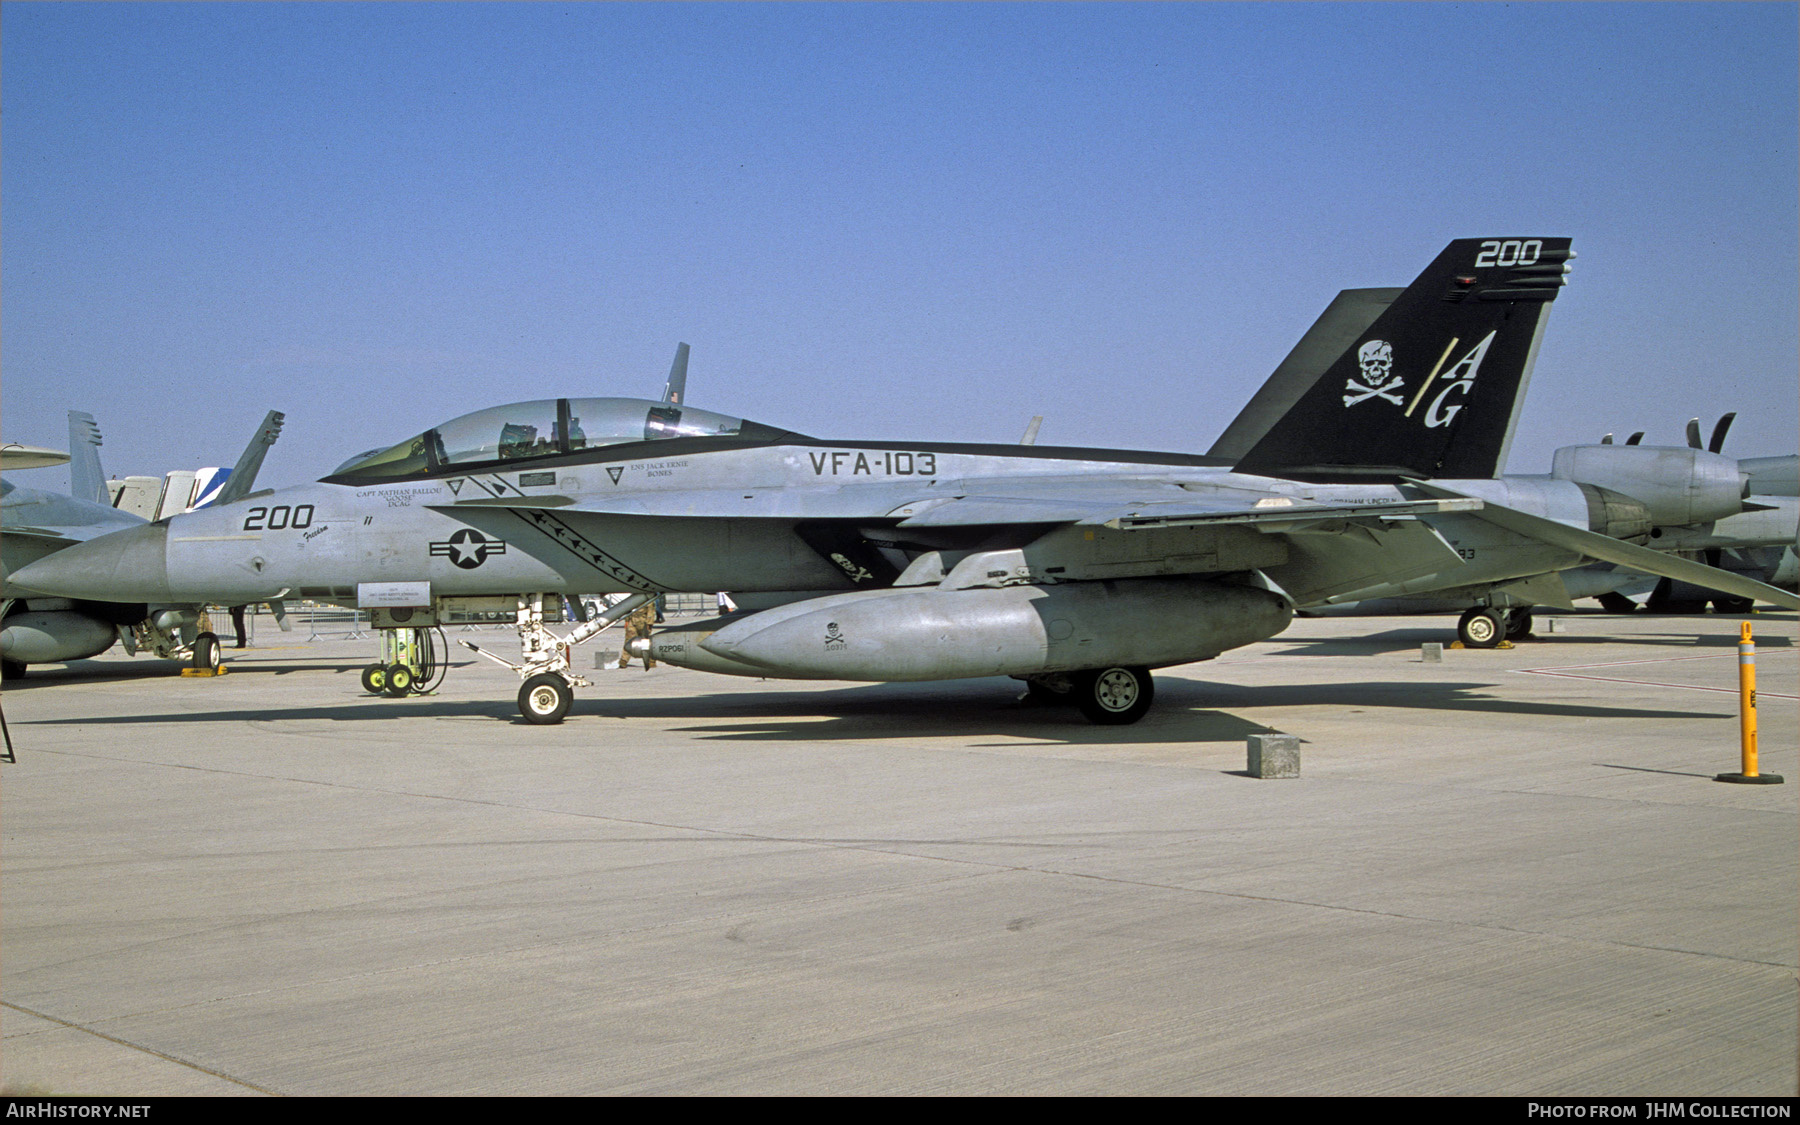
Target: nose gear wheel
[(545, 698)]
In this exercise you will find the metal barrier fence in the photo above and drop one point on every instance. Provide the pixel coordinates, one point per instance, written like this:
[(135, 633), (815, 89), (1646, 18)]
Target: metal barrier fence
[(333, 622)]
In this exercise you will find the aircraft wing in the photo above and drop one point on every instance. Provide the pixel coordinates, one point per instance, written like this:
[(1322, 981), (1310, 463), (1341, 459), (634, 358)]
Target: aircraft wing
[(1607, 549), (1124, 504), (16, 456), (59, 536), (1270, 513), (859, 502), (58, 520)]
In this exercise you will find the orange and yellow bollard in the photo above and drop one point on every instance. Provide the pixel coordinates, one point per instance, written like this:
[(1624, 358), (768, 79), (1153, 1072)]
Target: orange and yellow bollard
[(1747, 716)]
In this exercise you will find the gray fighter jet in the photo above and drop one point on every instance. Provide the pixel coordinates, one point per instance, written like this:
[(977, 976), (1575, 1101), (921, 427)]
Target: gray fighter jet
[(35, 524), (1076, 570)]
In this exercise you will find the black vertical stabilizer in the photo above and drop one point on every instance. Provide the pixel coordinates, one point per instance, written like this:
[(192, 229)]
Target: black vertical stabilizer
[(1433, 387), (1340, 325)]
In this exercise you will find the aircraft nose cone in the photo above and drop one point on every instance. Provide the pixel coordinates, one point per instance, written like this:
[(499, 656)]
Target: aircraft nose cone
[(125, 566)]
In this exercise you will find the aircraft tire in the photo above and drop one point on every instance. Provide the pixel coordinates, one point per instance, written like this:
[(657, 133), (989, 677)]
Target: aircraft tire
[(1114, 697), (545, 698), (1733, 605), (12, 670), (206, 653), (1518, 625), (399, 680), (374, 679), (1663, 599), (1614, 602), (1480, 628)]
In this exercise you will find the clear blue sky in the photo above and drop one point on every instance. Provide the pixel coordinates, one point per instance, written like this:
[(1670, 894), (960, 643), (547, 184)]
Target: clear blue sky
[(916, 221)]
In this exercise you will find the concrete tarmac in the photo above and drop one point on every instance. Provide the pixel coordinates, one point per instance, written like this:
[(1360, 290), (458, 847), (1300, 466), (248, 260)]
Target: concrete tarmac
[(1507, 873)]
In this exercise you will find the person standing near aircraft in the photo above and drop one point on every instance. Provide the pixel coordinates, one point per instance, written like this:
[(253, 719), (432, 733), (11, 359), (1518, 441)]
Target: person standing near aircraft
[(637, 628)]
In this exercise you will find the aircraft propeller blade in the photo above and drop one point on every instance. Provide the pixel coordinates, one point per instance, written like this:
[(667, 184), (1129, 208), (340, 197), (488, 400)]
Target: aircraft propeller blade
[(1693, 434), (1718, 435)]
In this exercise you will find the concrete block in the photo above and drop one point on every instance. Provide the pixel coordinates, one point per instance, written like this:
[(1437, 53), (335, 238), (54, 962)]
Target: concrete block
[(1432, 652), (1274, 755)]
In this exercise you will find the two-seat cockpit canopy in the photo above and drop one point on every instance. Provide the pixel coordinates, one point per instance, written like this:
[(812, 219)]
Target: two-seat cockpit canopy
[(503, 436)]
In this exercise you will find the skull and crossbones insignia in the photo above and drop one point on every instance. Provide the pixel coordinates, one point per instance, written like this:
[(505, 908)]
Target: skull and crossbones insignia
[(1379, 381), (858, 574)]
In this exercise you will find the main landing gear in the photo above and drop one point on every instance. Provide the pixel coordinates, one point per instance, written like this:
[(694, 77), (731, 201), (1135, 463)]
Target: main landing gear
[(206, 654), (1112, 697), (1484, 627), (550, 680), (177, 633)]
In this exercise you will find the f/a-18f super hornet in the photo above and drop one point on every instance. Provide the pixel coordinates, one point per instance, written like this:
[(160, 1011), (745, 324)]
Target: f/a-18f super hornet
[(1076, 570), (35, 524)]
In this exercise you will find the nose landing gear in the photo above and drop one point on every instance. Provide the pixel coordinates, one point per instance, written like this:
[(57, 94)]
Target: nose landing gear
[(545, 698)]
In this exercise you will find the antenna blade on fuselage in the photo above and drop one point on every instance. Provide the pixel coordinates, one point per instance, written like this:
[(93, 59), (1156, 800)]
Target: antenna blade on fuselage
[(676, 390)]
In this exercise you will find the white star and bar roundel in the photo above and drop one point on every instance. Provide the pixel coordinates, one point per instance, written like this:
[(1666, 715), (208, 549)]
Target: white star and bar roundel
[(468, 548)]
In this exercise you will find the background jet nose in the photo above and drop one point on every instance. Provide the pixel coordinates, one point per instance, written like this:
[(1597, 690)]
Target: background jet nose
[(125, 566)]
